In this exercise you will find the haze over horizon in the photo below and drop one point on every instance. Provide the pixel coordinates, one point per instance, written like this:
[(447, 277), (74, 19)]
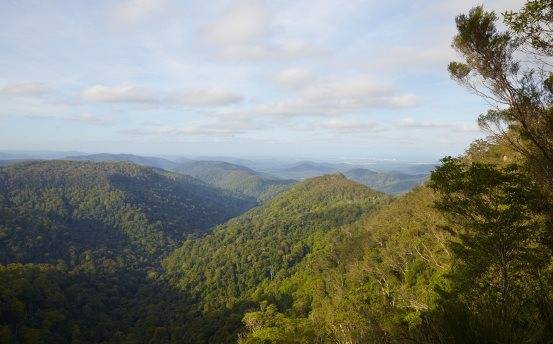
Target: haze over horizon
[(360, 79)]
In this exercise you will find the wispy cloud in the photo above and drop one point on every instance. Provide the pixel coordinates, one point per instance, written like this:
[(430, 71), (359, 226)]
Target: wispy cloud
[(25, 89), (339, 96), (205, 97), (350, 127), (411, 123), (293, 77), (245, 31), (118, 94), (133, 11), (131, 94), (208, 129), (90, 119), (240, 23)]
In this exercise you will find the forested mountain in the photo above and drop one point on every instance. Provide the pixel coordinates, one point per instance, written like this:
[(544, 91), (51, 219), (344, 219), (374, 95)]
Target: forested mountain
[(389, 182), (227, 176), (304, 169), (235, 178), (136, 159), (223, 269), (99, 231), (66, 210), (365, 283)]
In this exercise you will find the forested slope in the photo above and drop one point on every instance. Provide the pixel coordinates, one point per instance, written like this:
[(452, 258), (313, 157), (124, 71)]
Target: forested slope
[(62, 210), (390, 182), (223, 269), (234, 178), (98, 231), (366, 281), (224, 175), (404, 273)]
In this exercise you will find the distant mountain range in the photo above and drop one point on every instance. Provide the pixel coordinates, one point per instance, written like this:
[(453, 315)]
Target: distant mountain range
[(235, 178), (224, 175), (264, 179), (137, 159), (392, 182), (389, 182)]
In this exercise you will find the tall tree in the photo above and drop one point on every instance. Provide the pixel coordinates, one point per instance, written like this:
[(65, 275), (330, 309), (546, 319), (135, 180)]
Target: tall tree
[(500, 246), (512, 70)]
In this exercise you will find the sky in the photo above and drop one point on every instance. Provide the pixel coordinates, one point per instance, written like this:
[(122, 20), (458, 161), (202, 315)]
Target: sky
[(321, 79)]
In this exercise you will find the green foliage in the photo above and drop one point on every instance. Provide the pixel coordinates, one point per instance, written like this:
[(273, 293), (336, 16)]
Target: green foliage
[(503, 257), (108, 213), (511, 69), (368, 281), (103, 228), (223, 269), (269, 326), (46, 304), (389, 182), (533, 24), (235, 178)]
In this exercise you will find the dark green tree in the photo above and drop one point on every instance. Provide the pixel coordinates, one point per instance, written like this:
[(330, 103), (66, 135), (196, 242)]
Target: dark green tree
[(501, 256), (512, 70)]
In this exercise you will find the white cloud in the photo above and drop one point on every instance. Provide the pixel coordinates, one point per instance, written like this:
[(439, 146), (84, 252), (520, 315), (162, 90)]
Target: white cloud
[(280, 50), (406, 100), (240, 23), (411, 123), (133, 11), (246, 31), (206, 97), (118, 94), (24, 89), (338, 96), (275, 50), (351, 127), (293, 77), (218, 128), (131, 94), (90, 119)]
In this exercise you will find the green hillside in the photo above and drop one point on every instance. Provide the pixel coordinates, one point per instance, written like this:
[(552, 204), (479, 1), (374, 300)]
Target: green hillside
[(367, 281), (66, 211), (235, 178), (102, 228), (135, 159), (224, 175), (405, 273), (388, 182), (221, 270)]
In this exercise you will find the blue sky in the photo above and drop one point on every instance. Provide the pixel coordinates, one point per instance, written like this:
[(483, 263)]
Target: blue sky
[(358, 79)]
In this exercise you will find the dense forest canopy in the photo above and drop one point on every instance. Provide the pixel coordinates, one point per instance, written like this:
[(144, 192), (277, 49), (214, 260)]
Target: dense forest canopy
[(114, 252), (58, 210), (224, 175), (224, 268)]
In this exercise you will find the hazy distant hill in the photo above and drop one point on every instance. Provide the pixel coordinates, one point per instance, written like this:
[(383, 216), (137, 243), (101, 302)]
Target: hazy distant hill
[(392, 182), (304, 169), (224, 175), (389, 182), (36, 154), (235, 178), (140, 160)]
